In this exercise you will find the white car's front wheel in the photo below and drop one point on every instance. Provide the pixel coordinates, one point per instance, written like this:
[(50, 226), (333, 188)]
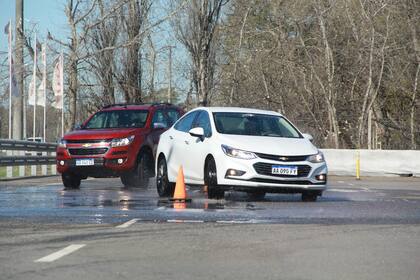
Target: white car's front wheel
[(164, 187), (210, 180)]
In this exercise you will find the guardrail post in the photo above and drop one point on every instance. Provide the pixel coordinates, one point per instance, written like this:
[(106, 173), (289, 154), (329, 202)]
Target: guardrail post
[(33, 167), (9, 169), (21, 167), (44, 167)]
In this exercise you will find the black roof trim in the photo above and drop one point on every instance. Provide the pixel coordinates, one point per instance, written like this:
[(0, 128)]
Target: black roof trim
[(136, 104)]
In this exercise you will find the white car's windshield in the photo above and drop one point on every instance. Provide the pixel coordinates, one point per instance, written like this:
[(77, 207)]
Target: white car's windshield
[(117, 119), (254, 125)]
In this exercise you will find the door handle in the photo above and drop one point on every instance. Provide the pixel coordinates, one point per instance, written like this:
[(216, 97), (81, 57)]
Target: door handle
[(186, 142), (170, 137)]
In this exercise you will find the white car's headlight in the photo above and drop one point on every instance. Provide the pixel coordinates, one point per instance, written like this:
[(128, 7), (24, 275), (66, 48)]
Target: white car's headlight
[(319, 157), (62, 143), (120, 142), (236, 153)]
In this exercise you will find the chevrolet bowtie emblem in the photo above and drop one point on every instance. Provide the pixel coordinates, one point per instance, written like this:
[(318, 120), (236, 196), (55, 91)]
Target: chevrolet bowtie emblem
[(86, 145), (283, 158)]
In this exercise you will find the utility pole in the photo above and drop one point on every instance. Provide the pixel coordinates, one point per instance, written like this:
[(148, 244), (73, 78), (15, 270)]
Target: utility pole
[(19, 101), (170, 73)]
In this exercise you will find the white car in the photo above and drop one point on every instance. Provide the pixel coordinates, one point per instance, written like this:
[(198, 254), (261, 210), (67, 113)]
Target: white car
[(249, 150)]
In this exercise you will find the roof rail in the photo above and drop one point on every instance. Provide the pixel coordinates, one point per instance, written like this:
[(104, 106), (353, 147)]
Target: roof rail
[(139, 103), (161, 103), (121, 105)]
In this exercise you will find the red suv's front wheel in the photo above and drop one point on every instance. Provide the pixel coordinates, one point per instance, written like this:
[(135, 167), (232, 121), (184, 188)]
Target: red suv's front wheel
[(140, 175)]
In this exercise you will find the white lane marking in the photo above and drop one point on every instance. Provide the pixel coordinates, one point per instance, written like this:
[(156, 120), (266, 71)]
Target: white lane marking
[(127, 224), (341, 182), (185, 221), (350, 184), (234, 222), (59, 254), (344, 191)]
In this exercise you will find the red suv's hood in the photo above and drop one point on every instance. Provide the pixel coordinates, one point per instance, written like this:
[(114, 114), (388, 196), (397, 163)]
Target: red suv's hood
[(99, 133)]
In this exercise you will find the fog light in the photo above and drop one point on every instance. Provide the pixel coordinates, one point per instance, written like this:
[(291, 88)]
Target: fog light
[(61, 162), (234, 172), (321, 177), (120, 161)]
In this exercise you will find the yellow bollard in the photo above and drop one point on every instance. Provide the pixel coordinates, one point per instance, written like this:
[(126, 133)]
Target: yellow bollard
[(358, 165)]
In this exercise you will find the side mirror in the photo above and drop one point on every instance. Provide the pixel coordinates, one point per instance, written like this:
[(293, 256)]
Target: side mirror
[(197, 132), (308, 136), (159, 126)]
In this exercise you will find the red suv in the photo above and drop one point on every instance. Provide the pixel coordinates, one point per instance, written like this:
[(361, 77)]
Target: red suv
[(118, 141)]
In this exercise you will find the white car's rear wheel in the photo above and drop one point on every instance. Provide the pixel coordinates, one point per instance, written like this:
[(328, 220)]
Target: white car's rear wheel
[(164, 187)]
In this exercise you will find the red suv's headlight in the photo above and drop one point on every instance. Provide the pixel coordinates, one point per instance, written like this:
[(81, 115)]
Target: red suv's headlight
[(121, 142)]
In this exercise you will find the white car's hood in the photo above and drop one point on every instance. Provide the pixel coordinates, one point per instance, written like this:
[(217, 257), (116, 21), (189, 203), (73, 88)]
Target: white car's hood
[(270, 145)]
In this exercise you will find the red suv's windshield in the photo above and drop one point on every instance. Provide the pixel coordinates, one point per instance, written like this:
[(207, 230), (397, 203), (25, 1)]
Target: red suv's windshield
[(118, 119)]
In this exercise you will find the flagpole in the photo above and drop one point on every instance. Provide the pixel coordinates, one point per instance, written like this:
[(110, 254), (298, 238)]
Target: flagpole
[(62, 93), (10, 78), (34, 89), (44, 58)]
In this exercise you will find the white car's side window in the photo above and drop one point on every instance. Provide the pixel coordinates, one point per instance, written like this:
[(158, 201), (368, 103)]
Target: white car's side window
[(185, 122)]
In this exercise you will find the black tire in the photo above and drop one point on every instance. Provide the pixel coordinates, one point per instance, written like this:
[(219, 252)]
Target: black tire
[(256, 195), (126, 180), (310, 196), (164, 187), (210, 179), (71, 181), (140, 175)]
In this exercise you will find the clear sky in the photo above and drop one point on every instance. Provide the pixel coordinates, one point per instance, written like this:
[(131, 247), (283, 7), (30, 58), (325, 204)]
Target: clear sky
[(49, 14)]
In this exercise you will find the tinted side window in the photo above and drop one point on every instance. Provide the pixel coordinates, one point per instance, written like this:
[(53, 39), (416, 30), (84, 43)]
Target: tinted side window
[(159, 117), (173, 116), (185, 123), (203, 121)]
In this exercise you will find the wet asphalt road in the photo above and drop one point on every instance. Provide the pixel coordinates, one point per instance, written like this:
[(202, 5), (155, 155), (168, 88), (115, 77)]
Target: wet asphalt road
[(368, 229), (106, 201)]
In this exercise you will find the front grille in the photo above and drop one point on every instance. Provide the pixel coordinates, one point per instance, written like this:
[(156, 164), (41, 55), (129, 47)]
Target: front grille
[(282, 158), (265, 169), (82, 141), (88, 152)]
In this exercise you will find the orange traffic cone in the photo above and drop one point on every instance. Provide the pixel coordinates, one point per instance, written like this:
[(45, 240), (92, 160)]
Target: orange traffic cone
[(180, 192)]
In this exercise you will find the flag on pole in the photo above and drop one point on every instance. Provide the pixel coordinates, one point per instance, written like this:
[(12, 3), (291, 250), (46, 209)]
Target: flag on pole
[(58, 83), (40, 96), (31, 93), (40, 100)]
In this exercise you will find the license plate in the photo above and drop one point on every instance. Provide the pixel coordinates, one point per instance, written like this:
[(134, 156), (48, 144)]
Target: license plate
[(284, 170), (85, 162)]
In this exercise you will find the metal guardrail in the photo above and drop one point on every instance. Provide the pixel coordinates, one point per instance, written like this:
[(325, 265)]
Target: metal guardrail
[(26, 160), (26, 153), (18, 145)]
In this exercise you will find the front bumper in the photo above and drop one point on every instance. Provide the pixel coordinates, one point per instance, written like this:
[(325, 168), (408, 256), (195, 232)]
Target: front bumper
[(113, 162), (256, 178)]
